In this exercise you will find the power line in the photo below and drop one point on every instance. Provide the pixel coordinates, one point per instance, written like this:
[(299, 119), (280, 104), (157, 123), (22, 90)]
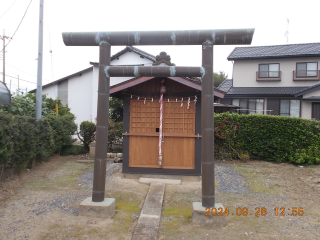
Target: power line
[(18, 25), (21, 70), (17, 65), (8, 9), (25, 71), (21, 79)]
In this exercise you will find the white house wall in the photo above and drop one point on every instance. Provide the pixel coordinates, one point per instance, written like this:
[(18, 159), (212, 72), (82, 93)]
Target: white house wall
[(131, 58), (80, 96), (313, 93), (244, 73), (51, 91), (128, 58), (94, 103), (306, 109)]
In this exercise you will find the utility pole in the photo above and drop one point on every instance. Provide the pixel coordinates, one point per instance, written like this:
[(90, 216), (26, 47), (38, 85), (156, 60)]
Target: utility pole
[(10, 85), (18, 84), (4, 56), (39, 74)]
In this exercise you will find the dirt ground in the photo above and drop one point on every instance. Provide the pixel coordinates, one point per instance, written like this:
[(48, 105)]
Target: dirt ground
[(42, 203)]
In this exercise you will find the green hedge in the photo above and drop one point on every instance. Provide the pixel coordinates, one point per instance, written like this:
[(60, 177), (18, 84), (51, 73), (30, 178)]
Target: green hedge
[(68, 150), (23, 139), (265, 137)]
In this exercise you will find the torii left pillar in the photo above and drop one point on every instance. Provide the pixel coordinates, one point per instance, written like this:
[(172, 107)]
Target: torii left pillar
[(98, 205)]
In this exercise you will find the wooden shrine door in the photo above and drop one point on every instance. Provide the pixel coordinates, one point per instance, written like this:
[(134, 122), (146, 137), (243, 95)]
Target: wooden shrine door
[(178, 147)]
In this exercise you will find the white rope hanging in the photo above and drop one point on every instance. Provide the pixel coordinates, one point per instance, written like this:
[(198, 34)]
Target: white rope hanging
[(145, 99)]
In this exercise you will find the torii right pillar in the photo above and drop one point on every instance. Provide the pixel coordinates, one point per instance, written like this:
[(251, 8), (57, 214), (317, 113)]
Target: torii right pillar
[(200, 209)]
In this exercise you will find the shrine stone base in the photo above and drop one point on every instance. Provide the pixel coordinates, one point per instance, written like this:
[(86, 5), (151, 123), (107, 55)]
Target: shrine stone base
[(199, 215), (105, 209)]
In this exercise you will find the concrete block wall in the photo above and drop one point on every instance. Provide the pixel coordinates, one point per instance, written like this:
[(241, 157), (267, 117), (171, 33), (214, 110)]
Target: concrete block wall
[(110, 156)]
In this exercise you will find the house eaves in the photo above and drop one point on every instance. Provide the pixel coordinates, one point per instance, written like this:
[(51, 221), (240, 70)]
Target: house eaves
[(311, 99), (65, 78), (276, 51), (263, 91), (307, 90)]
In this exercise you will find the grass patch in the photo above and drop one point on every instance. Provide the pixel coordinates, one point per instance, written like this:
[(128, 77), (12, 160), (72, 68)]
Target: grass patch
[(255, 179), (126, 204), (57, 231), (184, 211), (121, 227), (172, 228), (179, 205), (251, 222), (67, 177), (85, 231)]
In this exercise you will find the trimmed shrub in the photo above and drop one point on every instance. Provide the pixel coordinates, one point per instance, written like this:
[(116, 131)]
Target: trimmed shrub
[(265, 137), (87, 133), (25, 105), (115, 131), (64, 127), (72, 150), (23, 139)]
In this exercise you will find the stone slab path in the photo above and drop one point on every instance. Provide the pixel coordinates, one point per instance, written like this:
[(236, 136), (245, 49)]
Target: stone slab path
[(149, 220)]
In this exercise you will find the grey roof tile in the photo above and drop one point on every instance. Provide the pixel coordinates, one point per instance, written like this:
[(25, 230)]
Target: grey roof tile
[(225, 85), (276, 51), (307, 89), (288, 91)]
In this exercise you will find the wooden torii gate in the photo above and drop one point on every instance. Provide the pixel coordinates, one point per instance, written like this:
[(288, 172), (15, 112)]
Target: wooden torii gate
[(206, 38)]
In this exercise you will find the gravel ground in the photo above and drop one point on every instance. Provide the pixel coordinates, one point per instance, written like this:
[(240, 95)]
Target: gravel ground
[(230, 180), (14, 223), (63, 202), (87, 178), (33, 212)]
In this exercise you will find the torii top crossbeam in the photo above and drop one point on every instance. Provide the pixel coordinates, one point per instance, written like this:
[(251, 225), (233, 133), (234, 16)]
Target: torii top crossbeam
[(186, 37), (206, 38)]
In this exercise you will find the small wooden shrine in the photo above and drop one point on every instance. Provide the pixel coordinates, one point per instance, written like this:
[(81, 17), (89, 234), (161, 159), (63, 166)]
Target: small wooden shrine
[(161, 123)]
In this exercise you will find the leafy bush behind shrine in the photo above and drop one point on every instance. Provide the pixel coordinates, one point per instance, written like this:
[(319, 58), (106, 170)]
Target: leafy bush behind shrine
[(269, 138), (23, 139)]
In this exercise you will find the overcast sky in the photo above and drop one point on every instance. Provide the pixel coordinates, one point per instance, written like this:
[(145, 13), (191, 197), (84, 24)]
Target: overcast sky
[(269, 18)]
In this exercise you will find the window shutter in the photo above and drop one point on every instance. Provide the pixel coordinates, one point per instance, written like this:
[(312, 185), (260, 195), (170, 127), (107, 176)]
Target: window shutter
[(316, 111), (273, 104), (226, 101)]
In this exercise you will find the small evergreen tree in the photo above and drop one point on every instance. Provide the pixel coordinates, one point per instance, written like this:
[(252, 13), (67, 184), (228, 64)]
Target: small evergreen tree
[(87, 133)]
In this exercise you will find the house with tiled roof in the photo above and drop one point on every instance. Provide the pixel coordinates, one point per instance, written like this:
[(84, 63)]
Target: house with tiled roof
[(277, 80)]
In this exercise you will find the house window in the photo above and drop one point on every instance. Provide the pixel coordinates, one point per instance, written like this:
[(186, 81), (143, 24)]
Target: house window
[(269, 70), (290, 108), (249, 106), (307, 69)]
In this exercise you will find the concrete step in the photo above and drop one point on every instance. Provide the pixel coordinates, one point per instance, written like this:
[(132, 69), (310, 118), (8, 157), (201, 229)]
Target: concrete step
[(160, 180), (149, 220)]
